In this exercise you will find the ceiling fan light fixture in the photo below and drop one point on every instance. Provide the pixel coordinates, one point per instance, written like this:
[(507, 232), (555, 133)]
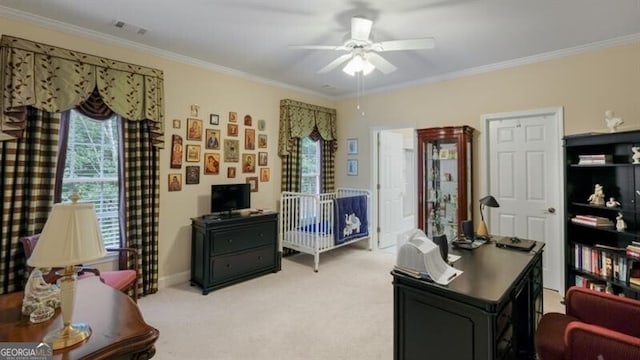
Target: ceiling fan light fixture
[(358, 64)]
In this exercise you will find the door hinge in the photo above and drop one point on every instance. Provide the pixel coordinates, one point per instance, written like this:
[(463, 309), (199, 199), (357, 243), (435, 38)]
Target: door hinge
[(378, 230)]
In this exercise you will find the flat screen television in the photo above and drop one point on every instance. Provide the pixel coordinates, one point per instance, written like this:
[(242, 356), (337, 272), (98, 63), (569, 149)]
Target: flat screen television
[(230, 197)]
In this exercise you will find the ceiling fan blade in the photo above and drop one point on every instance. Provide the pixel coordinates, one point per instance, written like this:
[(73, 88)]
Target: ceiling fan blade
[(409, 44), (334, 64), (381, 63), (360, 28), (318, 47)]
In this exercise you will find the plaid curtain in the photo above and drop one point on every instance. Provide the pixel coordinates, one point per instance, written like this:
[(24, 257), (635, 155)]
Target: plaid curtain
[(141, 196), (327, 175), (27, 166), (291, 180)]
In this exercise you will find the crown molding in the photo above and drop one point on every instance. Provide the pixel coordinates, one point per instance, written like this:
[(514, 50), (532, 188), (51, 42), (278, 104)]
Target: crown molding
[(551, 55), (169, 55)]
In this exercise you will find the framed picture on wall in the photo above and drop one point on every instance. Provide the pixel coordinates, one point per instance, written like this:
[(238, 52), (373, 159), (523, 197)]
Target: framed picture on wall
[(253, 181), (176, 151), (214, 119), (262, 158), (193, 175), (212, 139), (352, 167), (175, 182), (352, 146), (194, 129), (193, 153)]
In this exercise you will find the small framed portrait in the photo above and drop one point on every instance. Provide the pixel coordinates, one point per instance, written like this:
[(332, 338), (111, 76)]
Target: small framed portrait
[(193, 153), (214, 119), (264, 174), (233, 116), (352, 167), (253, 181), (175, 182), (211, 163), (194, 129), (231, 172), (248, 163), (262, 158), (443, 154), (176, 123), (262, 141), (232, 130), (352, 146), (249, 139), (247, 120), (262, 125), (231, 150), (193, 175), (176, 152), (212, 138)]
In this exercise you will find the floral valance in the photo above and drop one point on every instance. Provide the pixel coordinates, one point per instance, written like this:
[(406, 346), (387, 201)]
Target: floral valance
[(299, 120), (56, 79)]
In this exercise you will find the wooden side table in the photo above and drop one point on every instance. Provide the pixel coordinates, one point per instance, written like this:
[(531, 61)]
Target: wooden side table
[(118, 329)]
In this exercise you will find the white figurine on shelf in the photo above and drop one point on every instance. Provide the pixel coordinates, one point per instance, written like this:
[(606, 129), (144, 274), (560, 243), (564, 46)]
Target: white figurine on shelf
[(612, 202), (597, 198), (636, 154), (620, 224), (612, 122)]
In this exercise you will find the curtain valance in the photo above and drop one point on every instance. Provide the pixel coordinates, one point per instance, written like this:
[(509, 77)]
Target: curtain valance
[(56, 79), (298, 120)]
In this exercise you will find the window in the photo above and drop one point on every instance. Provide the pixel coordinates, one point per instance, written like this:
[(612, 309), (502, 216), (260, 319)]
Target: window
[(91, 169), (310, 166)]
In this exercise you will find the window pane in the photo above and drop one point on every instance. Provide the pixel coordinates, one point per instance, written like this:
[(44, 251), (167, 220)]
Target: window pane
[(310, 166), (91, 170)]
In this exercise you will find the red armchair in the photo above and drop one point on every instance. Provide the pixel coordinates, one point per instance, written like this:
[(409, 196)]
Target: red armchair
[(123, 280), (596, 326)]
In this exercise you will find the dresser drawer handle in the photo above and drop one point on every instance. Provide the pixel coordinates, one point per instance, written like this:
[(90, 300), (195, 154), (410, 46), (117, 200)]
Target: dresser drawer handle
[(230, 241), (261, 234)]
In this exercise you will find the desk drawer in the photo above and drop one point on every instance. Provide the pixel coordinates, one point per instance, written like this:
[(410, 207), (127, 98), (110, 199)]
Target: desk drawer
[(245, 238), (231, 266)]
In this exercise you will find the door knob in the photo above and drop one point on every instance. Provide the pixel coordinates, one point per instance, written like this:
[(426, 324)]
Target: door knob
[(551, 210)]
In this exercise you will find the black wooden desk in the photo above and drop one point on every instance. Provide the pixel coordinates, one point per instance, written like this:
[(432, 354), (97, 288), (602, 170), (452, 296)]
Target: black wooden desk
[(489, 312)]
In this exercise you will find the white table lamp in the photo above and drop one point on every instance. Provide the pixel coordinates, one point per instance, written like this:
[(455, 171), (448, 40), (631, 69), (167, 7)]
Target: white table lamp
[(70, 236)]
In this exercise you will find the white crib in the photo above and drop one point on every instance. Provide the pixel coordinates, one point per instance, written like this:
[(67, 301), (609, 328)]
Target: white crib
[(306, 221)]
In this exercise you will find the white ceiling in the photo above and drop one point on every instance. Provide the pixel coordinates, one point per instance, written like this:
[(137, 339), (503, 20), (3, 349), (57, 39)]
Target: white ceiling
[(251, 37)]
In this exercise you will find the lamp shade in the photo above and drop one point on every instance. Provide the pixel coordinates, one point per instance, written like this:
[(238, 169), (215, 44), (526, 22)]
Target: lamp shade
[(70, 236), (489, 201)]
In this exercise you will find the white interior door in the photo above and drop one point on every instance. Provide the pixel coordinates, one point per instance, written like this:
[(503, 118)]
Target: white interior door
[(524, 175), (391, 182)]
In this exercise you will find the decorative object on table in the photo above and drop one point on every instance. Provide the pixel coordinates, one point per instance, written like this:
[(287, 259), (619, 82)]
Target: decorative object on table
[(262, 124), (612, 202), (70, 236), (38, 293), (352, 146), (233, 116), (489, 201), (176, 152), (253, 182), (636, 154), (212, 139), (231, 150), (597, 198), (193, 175), (193, 153), (194, 129), (249, 139), (194, 110), (262, 141), (247, 120), (214, 119), (620, 224), (352, 167), (176, 123), (232, 130), (611, 121), (175, 182)]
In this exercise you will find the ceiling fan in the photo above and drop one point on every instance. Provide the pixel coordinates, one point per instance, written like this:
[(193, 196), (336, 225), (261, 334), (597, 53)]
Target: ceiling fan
[(362, 53)]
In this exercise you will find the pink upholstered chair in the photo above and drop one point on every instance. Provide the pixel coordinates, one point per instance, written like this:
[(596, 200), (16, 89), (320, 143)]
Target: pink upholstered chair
[(123, 280), (596, 326)]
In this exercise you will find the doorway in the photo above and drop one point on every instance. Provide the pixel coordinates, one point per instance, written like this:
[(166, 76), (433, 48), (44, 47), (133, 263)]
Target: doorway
[(522, 157), (394, 186)]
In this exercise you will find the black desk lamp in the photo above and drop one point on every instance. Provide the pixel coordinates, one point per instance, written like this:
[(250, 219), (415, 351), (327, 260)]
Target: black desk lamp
[(489, 201)]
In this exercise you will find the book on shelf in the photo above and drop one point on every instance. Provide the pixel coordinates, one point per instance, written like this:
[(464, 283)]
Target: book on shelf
[(595, 159), (591, 220), (634, 274)]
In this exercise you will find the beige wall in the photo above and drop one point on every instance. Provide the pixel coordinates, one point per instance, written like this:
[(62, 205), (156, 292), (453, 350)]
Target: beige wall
[(215, 92), (585, 85)]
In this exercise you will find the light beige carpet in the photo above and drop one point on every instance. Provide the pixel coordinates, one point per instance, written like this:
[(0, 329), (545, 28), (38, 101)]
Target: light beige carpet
[(345, 311)]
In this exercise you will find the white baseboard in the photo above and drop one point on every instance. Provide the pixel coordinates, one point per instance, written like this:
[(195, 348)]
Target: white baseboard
[(173, 279)]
